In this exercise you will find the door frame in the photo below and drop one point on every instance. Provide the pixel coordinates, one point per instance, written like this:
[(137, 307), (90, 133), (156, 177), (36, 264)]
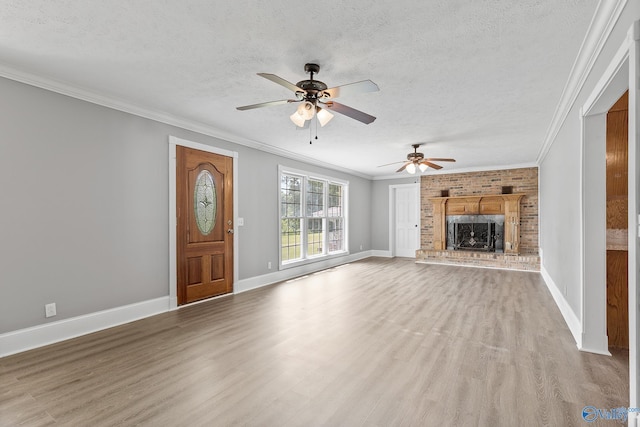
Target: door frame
[(622, 73), (392, 215), (173, 221)]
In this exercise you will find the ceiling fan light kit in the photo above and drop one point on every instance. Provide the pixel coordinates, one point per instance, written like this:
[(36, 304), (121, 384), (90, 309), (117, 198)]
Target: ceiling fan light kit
[(316, 98)]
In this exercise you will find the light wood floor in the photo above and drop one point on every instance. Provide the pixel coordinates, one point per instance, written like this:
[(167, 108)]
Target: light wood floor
[(374, 343)]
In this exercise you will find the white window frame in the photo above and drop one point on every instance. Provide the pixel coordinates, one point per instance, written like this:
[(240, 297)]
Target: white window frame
[(305, 258)]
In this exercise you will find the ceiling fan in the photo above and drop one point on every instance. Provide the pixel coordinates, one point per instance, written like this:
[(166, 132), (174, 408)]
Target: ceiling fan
[(316, 99), (417, 160)]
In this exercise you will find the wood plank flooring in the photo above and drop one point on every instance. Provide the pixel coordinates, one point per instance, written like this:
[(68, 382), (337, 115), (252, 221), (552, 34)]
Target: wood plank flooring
[(379, 342)]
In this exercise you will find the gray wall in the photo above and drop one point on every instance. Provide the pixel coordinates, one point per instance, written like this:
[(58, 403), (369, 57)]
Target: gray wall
[(560, 208), (380, 210), (84, 218)]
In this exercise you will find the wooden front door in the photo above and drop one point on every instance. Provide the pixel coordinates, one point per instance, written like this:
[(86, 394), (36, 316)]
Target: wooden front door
[(204, 197)]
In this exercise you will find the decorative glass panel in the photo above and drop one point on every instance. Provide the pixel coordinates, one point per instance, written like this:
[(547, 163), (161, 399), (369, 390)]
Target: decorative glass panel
[(335, 200), (204, 202), (336, 234), (290, 196), (315, 198), (315, 236), (291, 239)]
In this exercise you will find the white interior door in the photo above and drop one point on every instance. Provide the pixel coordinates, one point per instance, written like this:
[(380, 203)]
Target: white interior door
[(407, 220)]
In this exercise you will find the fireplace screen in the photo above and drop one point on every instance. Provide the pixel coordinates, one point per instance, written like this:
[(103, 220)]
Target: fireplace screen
[(474, 236), (475, 233)]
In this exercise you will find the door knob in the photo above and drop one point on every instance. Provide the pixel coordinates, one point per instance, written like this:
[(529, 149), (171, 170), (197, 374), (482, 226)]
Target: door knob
[(230, 231)]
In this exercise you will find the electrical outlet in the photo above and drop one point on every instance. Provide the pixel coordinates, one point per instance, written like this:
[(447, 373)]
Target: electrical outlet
[(269, 265), (50, 310)]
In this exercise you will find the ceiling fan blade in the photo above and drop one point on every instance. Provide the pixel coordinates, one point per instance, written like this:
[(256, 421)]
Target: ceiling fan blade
[(394, 163), (431, 165), (266, 104), (440, 160), (349, 112), (403, 167), (281, 82), (351, 88)]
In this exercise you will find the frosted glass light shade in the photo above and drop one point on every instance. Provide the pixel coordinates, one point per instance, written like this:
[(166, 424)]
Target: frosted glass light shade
[(423, 167), (307, 110), (411, 168), (297, 119), (324, 116)]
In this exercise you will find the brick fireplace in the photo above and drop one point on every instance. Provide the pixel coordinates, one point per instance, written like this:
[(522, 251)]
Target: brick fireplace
[(475, 198)]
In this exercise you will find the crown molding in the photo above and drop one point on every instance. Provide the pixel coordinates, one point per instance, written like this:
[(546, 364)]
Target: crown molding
[(602, 24), (461, 170), (160, 116)]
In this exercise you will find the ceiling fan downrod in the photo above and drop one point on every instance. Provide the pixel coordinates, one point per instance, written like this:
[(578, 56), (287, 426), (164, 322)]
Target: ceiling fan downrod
[(311, 69)]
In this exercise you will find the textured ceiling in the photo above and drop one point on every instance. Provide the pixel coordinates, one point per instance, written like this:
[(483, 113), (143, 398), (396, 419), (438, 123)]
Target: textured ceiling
[(474, 80)]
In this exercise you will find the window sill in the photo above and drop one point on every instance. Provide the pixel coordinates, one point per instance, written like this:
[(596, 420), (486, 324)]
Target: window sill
[(320, 258)]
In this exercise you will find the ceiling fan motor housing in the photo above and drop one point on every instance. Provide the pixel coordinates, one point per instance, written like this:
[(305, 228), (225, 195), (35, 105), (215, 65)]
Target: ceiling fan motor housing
[(415, 157), (312, 86)]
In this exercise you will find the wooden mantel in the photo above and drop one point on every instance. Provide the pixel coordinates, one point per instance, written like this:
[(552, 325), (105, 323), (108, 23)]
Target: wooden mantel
[(490, 204)]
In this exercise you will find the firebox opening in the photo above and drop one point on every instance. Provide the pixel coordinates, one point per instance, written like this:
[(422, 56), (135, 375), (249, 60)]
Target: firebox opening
[(475, 233)]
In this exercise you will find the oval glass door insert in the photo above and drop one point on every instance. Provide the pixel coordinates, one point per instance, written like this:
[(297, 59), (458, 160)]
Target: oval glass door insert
[(204, 201)]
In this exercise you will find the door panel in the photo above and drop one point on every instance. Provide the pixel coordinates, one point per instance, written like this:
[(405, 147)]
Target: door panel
[(204, 194), (194, 270), (217, 267), (617, 299)]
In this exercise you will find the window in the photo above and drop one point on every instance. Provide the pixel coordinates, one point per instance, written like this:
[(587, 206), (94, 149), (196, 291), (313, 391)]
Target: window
[(312, 217), (291, 216)]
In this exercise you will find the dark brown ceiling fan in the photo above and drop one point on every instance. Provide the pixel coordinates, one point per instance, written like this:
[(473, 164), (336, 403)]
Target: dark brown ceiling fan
[(417, 161), (316, 99)]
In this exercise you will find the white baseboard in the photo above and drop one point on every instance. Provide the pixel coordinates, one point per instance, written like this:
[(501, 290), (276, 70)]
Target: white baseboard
[(570, 318), (594, 350), (383, 254), (49, 333), (289, 273), (598, 344)]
